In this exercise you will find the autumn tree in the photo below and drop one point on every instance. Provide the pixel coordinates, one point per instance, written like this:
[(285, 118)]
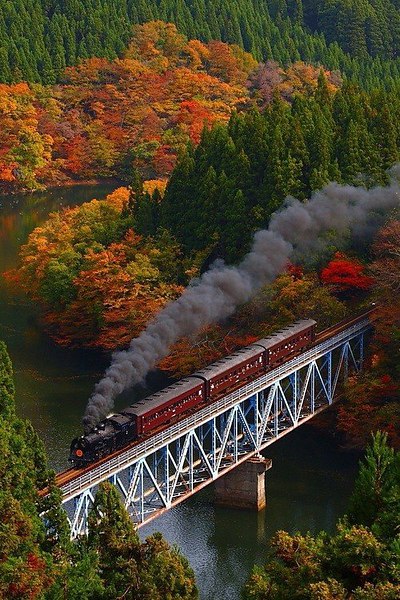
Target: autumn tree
[(98, 281), (24, 150), (345, 275), (373, 395)]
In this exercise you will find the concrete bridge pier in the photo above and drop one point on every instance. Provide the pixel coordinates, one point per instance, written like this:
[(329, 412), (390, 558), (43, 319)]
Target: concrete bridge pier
[(245, 486)]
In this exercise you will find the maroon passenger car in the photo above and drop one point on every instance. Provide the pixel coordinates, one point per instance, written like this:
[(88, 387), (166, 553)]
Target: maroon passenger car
[(232, 371), (288, 342), (167, 404)]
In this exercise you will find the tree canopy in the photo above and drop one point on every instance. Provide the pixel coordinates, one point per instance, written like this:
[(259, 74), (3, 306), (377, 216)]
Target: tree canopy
[(359, 561), (358, 37)]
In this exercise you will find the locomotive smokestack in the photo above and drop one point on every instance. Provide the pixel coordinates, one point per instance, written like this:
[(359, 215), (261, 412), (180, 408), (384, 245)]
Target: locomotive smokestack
[(294, 231)]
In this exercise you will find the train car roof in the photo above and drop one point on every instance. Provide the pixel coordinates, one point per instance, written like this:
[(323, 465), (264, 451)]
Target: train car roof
[(163, 396), (224, 364), (283, 334)]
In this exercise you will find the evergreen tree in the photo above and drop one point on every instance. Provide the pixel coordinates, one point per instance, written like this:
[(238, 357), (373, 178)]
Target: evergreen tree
[(377, 487), (37, 558), (359, 37), (7, 390)]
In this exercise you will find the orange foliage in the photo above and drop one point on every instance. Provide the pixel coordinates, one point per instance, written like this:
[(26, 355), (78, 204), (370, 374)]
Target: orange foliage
[(84, 128), (302, 78), (151, 185), (111, 306), (98, 282), (108, 108), (143, 107), (24, 149)]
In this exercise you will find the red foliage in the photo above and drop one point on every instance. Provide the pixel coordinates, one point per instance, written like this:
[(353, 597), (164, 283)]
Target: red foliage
[(194, 116), (345, 274), (295, 271)]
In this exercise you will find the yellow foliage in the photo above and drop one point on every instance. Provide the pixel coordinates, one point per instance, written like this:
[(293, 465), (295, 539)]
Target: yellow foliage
[(151, 185), (119, 198)]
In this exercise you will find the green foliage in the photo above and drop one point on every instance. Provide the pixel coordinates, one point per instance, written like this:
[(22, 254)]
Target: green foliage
[(129, 568), (242, 173), (24, 570), (7, 389), (358, 37), (375, 501), (37, 558)]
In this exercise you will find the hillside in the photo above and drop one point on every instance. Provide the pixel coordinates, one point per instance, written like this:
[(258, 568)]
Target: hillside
[(107, 116), (359, 37)]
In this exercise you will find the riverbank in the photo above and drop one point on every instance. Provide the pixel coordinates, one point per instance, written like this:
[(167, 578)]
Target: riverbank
[(53, 187)]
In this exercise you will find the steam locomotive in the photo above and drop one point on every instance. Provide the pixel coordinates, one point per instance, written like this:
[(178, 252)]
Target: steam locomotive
[(208, 385)]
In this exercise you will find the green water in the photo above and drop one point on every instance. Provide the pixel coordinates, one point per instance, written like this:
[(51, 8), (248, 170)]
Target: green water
[(308, 485)]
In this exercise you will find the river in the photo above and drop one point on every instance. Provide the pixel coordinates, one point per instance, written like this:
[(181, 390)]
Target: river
[(309, 483)]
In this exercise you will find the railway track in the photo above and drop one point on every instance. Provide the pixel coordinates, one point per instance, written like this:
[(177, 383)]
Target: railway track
[(342, 325)]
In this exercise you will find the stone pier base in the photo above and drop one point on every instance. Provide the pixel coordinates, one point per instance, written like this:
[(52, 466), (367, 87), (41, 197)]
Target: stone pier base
[(244, 486)]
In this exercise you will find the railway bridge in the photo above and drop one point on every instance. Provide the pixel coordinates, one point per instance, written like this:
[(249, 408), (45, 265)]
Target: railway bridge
[(159, 472)]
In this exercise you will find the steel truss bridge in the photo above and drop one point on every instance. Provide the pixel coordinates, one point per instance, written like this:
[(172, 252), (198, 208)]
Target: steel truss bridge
[(160, 472)]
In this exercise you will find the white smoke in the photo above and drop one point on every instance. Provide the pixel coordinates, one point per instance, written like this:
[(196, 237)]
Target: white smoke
[(295, 230)]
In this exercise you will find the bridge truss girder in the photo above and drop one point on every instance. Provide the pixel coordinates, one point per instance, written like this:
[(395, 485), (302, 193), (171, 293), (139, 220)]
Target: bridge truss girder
[(167, 475)]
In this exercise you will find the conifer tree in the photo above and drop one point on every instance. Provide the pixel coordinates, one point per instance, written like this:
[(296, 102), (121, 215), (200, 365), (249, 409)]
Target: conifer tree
[(377, 485)]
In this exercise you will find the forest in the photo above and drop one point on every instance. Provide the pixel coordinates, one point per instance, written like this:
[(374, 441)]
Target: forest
[(358, 37), (108, 118), (135, 115), (253, 135)]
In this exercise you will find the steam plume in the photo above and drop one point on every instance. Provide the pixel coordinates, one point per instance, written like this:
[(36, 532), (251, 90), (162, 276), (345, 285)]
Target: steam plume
[(295, 230)]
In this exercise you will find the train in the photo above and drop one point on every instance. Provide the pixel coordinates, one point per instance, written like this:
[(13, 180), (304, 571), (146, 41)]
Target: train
[(188, 395)]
